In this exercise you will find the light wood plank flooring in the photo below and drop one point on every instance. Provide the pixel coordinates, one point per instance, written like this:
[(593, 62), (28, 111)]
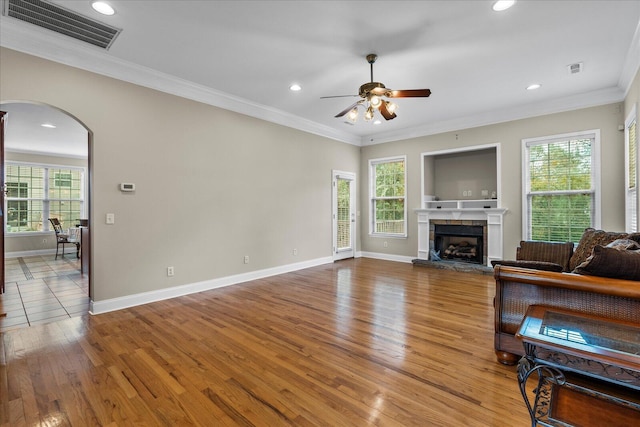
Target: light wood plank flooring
[(356, 343)]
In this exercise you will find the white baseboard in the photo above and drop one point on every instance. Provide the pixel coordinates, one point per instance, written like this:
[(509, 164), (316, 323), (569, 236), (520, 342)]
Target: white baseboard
[(38, 252), (98, 307)]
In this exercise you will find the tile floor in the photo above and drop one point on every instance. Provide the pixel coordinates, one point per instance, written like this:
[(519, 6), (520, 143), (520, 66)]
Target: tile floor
[(40, 289)]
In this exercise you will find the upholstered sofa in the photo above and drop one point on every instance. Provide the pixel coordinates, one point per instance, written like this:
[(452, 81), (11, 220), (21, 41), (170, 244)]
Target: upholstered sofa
[(600, 277)]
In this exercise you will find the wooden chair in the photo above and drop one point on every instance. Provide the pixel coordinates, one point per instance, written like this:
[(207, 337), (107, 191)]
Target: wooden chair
[(62, 238)]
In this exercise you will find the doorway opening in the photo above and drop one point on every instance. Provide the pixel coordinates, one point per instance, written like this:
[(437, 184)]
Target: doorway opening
[(45, 159), (344, 215)]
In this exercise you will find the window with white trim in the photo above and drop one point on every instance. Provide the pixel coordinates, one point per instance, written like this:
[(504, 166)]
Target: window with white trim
[(561, 186), (631, 173), (38, 192), (388, 213)]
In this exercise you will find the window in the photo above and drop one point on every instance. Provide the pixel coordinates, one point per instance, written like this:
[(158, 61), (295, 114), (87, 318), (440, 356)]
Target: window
[(36, 193), (387, 193), (631, 173), (561, 186)]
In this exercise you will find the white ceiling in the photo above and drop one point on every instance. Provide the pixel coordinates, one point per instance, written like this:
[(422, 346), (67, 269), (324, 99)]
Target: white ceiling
[(243, 56)]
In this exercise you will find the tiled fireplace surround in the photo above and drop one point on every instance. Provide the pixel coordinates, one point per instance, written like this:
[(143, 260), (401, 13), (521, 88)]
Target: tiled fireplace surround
[(490, 218)]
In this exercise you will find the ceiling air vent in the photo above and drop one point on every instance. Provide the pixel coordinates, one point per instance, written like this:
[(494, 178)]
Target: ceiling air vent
[(61, 20), (575, 68)]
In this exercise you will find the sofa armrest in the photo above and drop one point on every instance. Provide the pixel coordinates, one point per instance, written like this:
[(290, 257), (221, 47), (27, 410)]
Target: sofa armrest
[(519, 288), (536, 265)]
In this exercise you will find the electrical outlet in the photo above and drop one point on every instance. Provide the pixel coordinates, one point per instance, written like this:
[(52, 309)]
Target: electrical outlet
[(469, 193), (170, 272), (295, 252), (110, 218), (246, 259), (384, 244)]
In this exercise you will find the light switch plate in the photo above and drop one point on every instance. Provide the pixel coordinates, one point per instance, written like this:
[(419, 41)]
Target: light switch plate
[(111, 218)]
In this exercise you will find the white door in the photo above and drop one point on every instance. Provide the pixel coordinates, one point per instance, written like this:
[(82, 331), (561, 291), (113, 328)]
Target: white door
[(344, 215)]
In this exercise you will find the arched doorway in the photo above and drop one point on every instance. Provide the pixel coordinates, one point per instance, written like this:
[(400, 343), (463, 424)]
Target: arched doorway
[(46, 162)]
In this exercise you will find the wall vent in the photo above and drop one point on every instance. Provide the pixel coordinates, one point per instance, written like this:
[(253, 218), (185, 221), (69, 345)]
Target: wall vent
[(62, 21), (575, 68)]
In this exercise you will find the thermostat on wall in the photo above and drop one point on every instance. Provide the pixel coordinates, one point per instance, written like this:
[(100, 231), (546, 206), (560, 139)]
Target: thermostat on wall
[(127, 186)]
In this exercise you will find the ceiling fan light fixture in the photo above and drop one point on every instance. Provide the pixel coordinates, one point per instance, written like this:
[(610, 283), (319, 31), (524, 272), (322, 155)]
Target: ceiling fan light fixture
[(353, 114), (368, 115), (375, 101), (392, 107)]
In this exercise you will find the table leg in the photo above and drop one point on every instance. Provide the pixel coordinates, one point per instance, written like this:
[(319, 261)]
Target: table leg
[(547, 377)]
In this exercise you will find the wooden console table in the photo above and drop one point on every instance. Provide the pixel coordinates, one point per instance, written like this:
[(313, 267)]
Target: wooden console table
[(587, 369)]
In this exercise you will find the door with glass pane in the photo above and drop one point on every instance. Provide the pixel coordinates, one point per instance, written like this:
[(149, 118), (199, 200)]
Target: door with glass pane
[(344, 215)]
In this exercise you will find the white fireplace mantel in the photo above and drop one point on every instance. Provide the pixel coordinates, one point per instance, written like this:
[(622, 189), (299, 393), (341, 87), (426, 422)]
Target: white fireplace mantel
[(493, 216)]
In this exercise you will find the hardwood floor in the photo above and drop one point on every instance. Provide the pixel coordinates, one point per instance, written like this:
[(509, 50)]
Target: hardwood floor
[(355, 343)]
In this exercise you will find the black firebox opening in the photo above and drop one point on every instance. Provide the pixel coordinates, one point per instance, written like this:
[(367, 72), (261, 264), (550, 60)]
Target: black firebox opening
[(459, 242)]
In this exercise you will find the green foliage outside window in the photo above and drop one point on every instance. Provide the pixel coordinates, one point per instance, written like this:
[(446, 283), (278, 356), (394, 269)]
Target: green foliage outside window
[(37, 193), (389, 199), (561, 190)]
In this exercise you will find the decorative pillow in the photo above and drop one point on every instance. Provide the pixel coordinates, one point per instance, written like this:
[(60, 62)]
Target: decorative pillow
[(553, 252), (624, 245), (590, 238), (612, 262)]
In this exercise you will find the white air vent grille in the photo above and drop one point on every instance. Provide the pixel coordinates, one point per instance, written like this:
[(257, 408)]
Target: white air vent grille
[(61, 20), (575, 68)]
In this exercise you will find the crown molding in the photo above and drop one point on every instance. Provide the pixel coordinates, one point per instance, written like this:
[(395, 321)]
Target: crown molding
[(575, 102), (54, 47), (631, 63), (44, 44)]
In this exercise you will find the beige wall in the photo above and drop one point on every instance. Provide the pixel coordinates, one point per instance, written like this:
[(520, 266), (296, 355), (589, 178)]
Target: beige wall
[(211, 185), (509, 135), (37, 242), (467, 171)]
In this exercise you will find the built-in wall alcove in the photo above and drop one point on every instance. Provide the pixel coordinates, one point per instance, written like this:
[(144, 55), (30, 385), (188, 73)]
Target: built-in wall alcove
[(462, 174), (461, 189)]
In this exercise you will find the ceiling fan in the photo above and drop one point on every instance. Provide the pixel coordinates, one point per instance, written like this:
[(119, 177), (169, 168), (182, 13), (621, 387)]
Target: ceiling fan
[(372, 95)]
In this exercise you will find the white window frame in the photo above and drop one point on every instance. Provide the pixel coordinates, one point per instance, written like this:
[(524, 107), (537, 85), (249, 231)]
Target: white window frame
[(631, 194), (373, 198), (595, 174), (46, 229)]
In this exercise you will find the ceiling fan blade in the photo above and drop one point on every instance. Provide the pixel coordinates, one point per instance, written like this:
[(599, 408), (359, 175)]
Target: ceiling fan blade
[(338, 96), (385, 112), (346, 110), (408, 93)]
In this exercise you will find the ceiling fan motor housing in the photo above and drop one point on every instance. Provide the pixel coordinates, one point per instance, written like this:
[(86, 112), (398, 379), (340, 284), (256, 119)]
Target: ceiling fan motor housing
[(368, 87)]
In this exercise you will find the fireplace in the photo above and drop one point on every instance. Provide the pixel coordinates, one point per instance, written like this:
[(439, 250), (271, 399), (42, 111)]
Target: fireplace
[(489, 220), (459, 242)]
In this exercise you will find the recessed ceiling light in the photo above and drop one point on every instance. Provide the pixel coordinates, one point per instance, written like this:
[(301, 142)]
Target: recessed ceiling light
[(103, 8), (534, 86), (48, 125), (295, 87), (501, 5)]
